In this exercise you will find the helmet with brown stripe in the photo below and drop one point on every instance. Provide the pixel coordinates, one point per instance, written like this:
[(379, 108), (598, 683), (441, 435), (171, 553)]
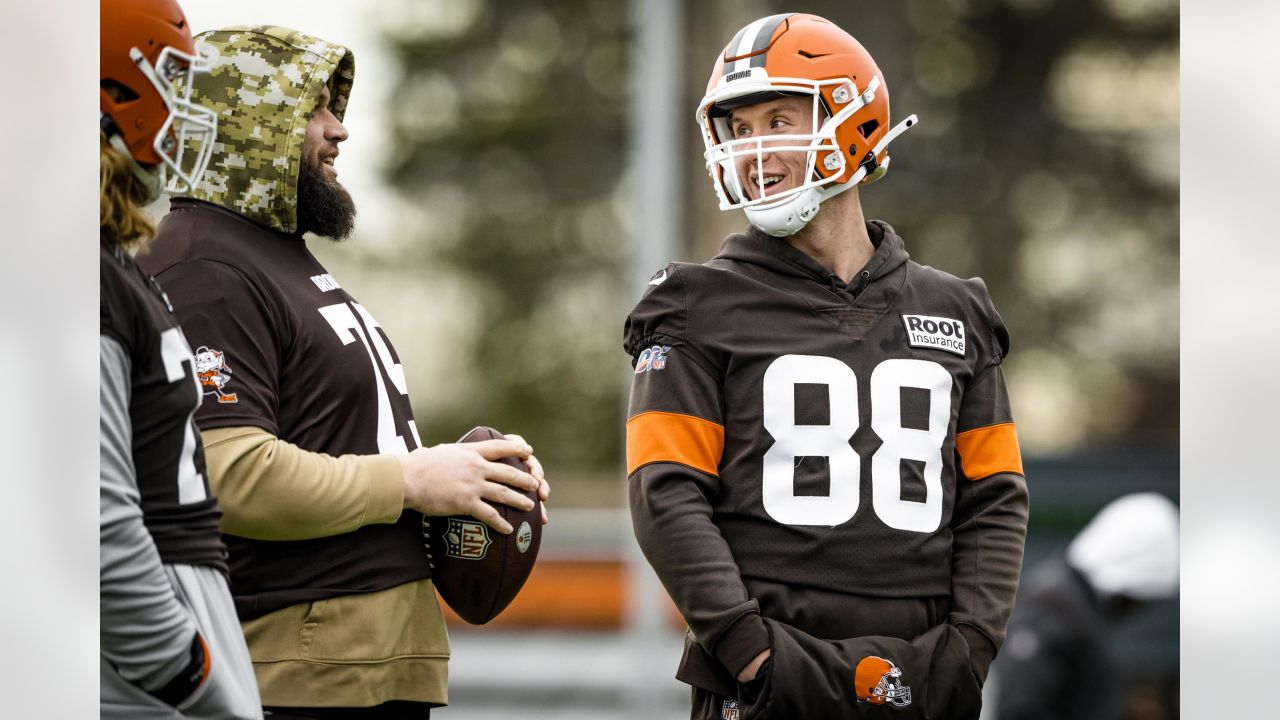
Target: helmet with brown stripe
[(794, 54)]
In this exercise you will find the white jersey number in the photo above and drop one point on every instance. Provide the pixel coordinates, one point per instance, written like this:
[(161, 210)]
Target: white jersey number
[(792, 441), (344, 323), (174, 351)]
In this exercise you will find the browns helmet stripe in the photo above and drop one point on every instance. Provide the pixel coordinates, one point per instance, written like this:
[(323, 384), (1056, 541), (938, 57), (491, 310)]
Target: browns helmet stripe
[(750, 40), (765, 38), (731, 50)]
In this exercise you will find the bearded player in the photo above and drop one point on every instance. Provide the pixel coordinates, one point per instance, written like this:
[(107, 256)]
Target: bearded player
[(823, 467), (309, 432), (170, 642)]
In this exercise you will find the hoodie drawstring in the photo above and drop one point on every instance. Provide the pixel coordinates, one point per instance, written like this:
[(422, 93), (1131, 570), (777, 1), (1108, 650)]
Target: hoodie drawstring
[(863, 277)]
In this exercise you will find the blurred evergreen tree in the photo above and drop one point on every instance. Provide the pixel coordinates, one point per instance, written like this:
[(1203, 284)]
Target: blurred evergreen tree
[(511, 128)]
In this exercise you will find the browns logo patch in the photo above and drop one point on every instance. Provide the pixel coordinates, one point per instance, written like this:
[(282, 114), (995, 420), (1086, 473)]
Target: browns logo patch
[(879, 682), (213, 373)]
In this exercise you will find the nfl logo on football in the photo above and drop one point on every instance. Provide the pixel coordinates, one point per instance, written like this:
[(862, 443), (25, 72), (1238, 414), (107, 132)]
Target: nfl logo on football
[(467, 539)]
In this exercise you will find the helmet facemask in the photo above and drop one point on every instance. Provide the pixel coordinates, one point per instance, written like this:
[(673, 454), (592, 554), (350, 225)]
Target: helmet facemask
[(891, 689), (826, 163), (185, 140), (725, 154)]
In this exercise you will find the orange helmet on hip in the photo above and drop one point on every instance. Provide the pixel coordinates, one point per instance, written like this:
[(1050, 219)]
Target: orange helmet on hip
[(879, 682)]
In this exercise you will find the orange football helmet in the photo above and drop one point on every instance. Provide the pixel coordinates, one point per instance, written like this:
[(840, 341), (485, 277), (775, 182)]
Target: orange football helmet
[(878, 681), (147, 64), (802, 55)]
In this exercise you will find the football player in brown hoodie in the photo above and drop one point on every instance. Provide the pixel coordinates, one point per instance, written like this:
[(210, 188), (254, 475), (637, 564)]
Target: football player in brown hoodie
[(823, 467)]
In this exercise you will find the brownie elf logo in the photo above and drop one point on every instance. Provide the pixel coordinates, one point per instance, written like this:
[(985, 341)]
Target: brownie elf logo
[(213, 373)]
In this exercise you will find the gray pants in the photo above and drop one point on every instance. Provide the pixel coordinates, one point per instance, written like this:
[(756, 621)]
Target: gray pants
[(230, 690)]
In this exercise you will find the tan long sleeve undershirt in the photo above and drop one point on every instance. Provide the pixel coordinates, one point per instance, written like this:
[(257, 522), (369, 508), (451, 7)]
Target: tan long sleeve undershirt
[(270, 489)]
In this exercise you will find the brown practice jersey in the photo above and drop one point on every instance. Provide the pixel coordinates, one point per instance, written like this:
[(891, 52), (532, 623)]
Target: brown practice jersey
[(793, 440), (167, 457), (281, 346)]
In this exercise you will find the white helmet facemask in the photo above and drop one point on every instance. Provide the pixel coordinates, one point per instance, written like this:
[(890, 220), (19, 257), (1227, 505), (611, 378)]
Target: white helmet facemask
[(787, 212), (185, 141)]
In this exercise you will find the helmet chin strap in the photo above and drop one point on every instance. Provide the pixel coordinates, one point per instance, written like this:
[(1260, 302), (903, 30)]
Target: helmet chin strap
[(787, 217), (793, 214)]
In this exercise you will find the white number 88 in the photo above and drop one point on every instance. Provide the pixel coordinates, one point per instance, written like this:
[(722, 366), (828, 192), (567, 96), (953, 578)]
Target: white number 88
[(832, 441)]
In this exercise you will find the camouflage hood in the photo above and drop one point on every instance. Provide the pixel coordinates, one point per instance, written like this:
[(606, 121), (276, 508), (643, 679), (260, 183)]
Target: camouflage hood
[(263, 85)]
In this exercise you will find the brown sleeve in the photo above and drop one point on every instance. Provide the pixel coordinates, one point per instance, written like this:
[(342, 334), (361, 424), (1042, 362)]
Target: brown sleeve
[(672, 521), (989, 526), (675, 440), (989, 523), (270, 489)]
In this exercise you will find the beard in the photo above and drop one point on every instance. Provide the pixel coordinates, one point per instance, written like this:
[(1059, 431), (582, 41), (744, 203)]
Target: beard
[(325, 208)]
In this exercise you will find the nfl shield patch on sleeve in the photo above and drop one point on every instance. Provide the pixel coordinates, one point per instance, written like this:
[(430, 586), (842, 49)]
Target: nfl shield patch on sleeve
[(654, 358)]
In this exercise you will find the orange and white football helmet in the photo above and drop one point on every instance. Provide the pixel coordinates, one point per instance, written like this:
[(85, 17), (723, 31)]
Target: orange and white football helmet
[(878, 681), (147, 63), (807, 56)]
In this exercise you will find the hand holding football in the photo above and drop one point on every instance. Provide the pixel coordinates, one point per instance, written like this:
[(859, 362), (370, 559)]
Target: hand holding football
[(478, 571)]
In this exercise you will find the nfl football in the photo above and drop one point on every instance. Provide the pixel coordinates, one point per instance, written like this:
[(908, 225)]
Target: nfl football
[(476, 570)]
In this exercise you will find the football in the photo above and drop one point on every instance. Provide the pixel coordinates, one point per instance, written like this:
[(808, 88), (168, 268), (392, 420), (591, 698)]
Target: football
[(476, 570)]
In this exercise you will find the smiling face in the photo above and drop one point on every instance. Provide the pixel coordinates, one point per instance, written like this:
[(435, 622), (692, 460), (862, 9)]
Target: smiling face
[(324, 132), (776, 171), (324, 206)]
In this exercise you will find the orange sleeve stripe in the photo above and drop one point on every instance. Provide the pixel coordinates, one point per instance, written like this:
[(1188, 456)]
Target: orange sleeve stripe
[(672, 437), (986, 451)]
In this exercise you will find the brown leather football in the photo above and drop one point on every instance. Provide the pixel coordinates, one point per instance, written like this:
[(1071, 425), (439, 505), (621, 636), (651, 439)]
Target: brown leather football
[(477, 570)]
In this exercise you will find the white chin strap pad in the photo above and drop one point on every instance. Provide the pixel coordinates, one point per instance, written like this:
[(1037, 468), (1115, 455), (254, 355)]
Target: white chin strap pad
[(788, 217)]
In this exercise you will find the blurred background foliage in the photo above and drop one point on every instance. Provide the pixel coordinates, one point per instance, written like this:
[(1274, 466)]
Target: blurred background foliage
[(509, 137), (1046, 162)]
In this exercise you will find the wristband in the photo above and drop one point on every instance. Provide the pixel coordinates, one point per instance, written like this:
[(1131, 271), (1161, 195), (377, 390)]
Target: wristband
[(190, 677)]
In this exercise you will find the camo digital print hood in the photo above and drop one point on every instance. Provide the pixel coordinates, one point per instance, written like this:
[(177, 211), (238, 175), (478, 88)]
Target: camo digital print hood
[(263, 84)]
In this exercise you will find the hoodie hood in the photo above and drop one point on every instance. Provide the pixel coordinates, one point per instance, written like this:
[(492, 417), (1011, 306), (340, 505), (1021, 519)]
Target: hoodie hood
[(263, 84), (779, 257), (1130, 548)]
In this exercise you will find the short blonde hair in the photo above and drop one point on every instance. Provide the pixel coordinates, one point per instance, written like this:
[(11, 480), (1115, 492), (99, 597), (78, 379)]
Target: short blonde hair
[(121, 196)]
